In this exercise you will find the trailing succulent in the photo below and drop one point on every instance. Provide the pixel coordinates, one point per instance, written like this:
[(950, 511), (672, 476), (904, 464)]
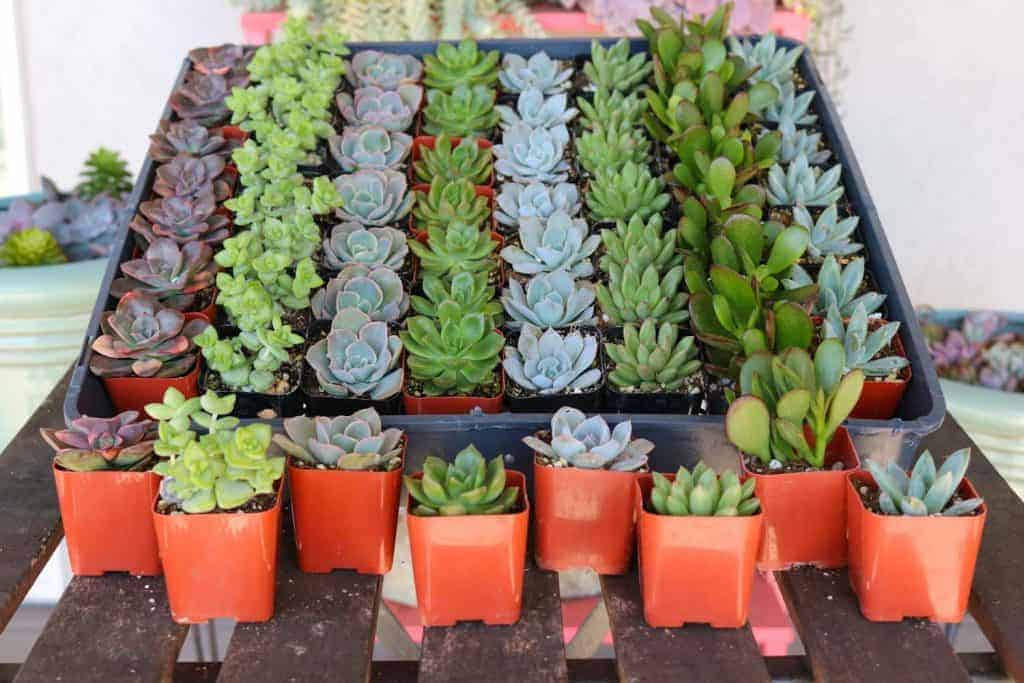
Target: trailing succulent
[(862, 344), (369, 146), (170, 272), (378, 292), (704, 493), (394, 110), (462, 248), (528, 155), (589, 443), (447, 202), (517, 201), (250, 361), (465, 161), (358, 358), (89, 444), (613, 68), (619, 194), (537, 111), (454, 65), (838, 286), (549, 363), (612, 147), (464, 112), (926, 491), (467, 486), (383, 70), (803, 184), (552, 299), (373, 198), (471, 292), (346, 442), (559, 243), (350, 242), (652, 359), (539, 72)]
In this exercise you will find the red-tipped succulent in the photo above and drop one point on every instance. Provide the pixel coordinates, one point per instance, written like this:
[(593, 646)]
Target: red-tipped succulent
[(201, 97), (188, 176), (121, 442), (182, 219), (170, 272), (188, 137), (219, 59)]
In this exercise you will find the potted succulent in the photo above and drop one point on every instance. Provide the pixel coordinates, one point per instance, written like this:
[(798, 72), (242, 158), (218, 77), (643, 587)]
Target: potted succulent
[(370, 147), (468, 522), (698, 537), (653, 369), (549, 300), (533, 155), (547, 369), (914, 538), (345, 475), (261, 19), (445, 202), (516, 201), (592, 467), (558, 243), (788, 429), (451, 158), (103, 482), (179, 276)]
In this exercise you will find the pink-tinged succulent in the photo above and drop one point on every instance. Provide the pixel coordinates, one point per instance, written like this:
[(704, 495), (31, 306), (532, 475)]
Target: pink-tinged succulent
[(144, 338), (201, 97), (979, 327), (391, 109), (96, 443), (170, 272), (188, 176), (182, 220), (188, 137), (218, 60)]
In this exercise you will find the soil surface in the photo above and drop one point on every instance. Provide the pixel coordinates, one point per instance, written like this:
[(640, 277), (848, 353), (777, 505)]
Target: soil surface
[(491, 389), (259, 503), (757, 467), (870, 494)]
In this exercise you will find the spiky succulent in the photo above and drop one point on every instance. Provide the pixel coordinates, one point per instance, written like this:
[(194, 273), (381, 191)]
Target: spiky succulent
[(377, 292), (122, 442), (383, 70), (798, 141), (612, 108), (619, 194), (369, 146), (31, 247), (589, 443), (546, 362), (612, 148), (652, 359), (471, 291), (105, 173), (466, 161), (926, 491), (559, 243), (144, 338), (838, 286), (467, 486), (453, 354), (613, 68), (350, 242), (393, 110), (539, 72), (170, 272), (188, 176), (538, 111), (358, 358), (461, 248), (182, 220), (373, 198), (703, 493), (529, 155), (803, 184), (863, 345), (201, 97), (829, 234), (791, 110), (640, 243), (549, 300), (464, 112), (774, 64), (452, 66), (448, 202), (346, 442), (536, 200)]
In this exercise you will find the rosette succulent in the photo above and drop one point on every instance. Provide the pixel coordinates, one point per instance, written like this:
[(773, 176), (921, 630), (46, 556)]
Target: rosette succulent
[(619, 194), (383, 70), (830, 236), (798, 141), (466, 161), (926, 491), (803, 184), (170, 272), (774, 64), (448, 202), (31, 247), (548, 363), (181, 219), (589, 443), (393, 110), (864, 345), (703, 493), (612, 108), (358, 358), (1003, 365), (219, 59), (350, 242), (378, 292), (373, 198), (467, 486), (641, 243), (464, 64), (188, 176), (122, 442), (346, 442), (536, 200), (537, 111), (369, 146), (529, 155), (635, 293), (559, 243), (613, 68), (471, 291), (464, 112), (838, 286), (612, 147), (461, 248), (549, 300), (791, 111), (189, 137), (652, 359), (201, 97), (539, 72), (104, 173)]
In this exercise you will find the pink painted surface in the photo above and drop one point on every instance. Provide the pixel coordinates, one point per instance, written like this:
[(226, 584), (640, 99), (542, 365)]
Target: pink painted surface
[(258, 28), (791, 24)]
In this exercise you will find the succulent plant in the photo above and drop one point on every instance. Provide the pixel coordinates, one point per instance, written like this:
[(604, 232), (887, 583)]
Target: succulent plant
[(838, 287), (613, 68), (454, 353), (219, 59), (467, 486), (201, 97), (791, 110), (350, 242), (346, 442), (358, 358), (182, 220), (448, 202), (703, 493), (536, 200), (798, 141), (926, 491), (619, 194), (589, 443), (774, 64), (373, 198), (174, 137), (466, 161), (548, 363), (383, 70), (862, 344), (529, 155), (829, 234), (377, 292), (612, 108), (250, 361), (461, 248), (188, 176), (537, 111), (393, 110), (1003, 366), (170, 272), (452, 66), (143, 338), (470, 291), (370, 146), (612, 148), (549, 300), (641, 243), (559, 243), (464, 112), (31, 247), (105, 173), (635, 293), (122, 442), (803, 184), (539, 72), (652, 358)]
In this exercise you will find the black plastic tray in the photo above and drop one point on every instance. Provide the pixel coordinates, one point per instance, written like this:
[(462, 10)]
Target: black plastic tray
[(680, 439)]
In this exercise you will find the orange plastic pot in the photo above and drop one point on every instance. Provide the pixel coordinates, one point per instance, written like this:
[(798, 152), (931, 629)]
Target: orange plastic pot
[(470, 568), (584, 518), (220, 564), (695, 569), (209, 314), (453, 405), (911, 566), (106, 521), (428, 141), (345, 519), (880, 399), (234, 133), (133, 393), (805, 512)]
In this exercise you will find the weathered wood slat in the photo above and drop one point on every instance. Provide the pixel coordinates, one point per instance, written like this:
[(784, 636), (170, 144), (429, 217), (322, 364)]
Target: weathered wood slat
[(844, 646), (110, 628), (695, 652)]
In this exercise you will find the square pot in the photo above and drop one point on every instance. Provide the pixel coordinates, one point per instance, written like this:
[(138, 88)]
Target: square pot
[(453, 405), (470, 568), (805, 512), (584, 518), (880, 399), (106, 521), (904, 566), (133, 393), (220, 564)]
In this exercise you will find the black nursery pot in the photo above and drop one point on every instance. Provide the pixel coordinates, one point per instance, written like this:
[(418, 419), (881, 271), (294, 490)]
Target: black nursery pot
[(518, 400), (677, 403)]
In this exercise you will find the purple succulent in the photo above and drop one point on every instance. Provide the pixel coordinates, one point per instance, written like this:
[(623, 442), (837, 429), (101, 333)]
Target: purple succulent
[(182, 220), (201, 97), (187, 136), (96, 443), (188, 176), (218, 60), (18, 216), (171, 273), (980, 326)]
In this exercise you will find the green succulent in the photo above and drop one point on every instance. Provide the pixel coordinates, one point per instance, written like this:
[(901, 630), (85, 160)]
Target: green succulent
[(721, 175), (612, 147), (635, 294), (31, 247), (105, 173), (471, 291), (703, 493), (450, 201), (464, 112), (458, 65), (249, 362), (862, 344), (466, 161), (652, 359), (926, 491), (838, 286), (612, 108), (614, 69), (462, 248), (640, 243), (468, 486), (619, 194)]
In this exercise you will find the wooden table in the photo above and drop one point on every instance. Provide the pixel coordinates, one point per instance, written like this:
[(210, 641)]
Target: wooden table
[(118, 628)]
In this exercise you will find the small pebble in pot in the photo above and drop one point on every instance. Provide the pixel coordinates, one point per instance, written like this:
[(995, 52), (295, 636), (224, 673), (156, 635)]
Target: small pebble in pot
[(775, 465)]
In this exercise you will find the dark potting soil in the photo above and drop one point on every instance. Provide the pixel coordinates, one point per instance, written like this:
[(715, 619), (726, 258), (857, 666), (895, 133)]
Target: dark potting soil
[(491, 389), (756, 466), (869, 495), (784, 214), (259, 503), (284, 380), (303, 465), (203, 298)]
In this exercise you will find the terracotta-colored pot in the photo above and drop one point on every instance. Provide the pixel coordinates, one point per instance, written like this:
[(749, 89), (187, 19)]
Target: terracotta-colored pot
[(106, 521), (209, 314), (258, 28), (220, 565), (880, 399), (584, 518), (453, 405), (904, 566), (231, 133), (345, 519), (695, 569), (428, 141), (805, 512), (133, 393), (470, 568)]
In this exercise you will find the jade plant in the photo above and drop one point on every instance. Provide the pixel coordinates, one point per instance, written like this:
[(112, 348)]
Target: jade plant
[(803, 184), (464, 112), (394, 110), (517, 201), (378, 292), (172, 273), (546, 362), (537, 111), (538, 72), (704, 493), (346, 442), (552, 299), (252, 360), (619, 194), (926, 491), (838, 286), (589, 443), (467, 486), (864, 345), (465, 161), (461, 248), (559, 243), (90, 444), (369, 146), (372, 197), (612, 147), (652, 359), (462, 64), (528, 155), (470, 291), (359, 357), (350, 242), (449, 201), (613, 68), (383, 70)]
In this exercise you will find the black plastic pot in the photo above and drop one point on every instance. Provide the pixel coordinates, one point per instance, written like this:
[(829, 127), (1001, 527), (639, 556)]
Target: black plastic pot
[(263, 406), (519, 401), (320, 403)]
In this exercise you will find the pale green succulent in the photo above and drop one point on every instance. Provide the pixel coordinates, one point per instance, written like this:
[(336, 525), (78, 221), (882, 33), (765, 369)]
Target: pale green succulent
[(346, 442), (803, 184), (350, 242), (612, 108), (358, 358), (634, 293), (369, 147), (470, 291), (926, 491), (640, 243), (516, 201), (538, 111), (791, 110), (703, 493), (461, 248), (378, 292), (465, 161), (539, 72), (373, 198), (862, 344), (467, 486), (774, 64), (829, 235), (652, 359), (612, 147), (448, 202), (549, 300), (589, 443), (613, 67), (464, 64), (558, 243), (529, 155), (550, 363), (464, 112), (838, 286), (619, 194)]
